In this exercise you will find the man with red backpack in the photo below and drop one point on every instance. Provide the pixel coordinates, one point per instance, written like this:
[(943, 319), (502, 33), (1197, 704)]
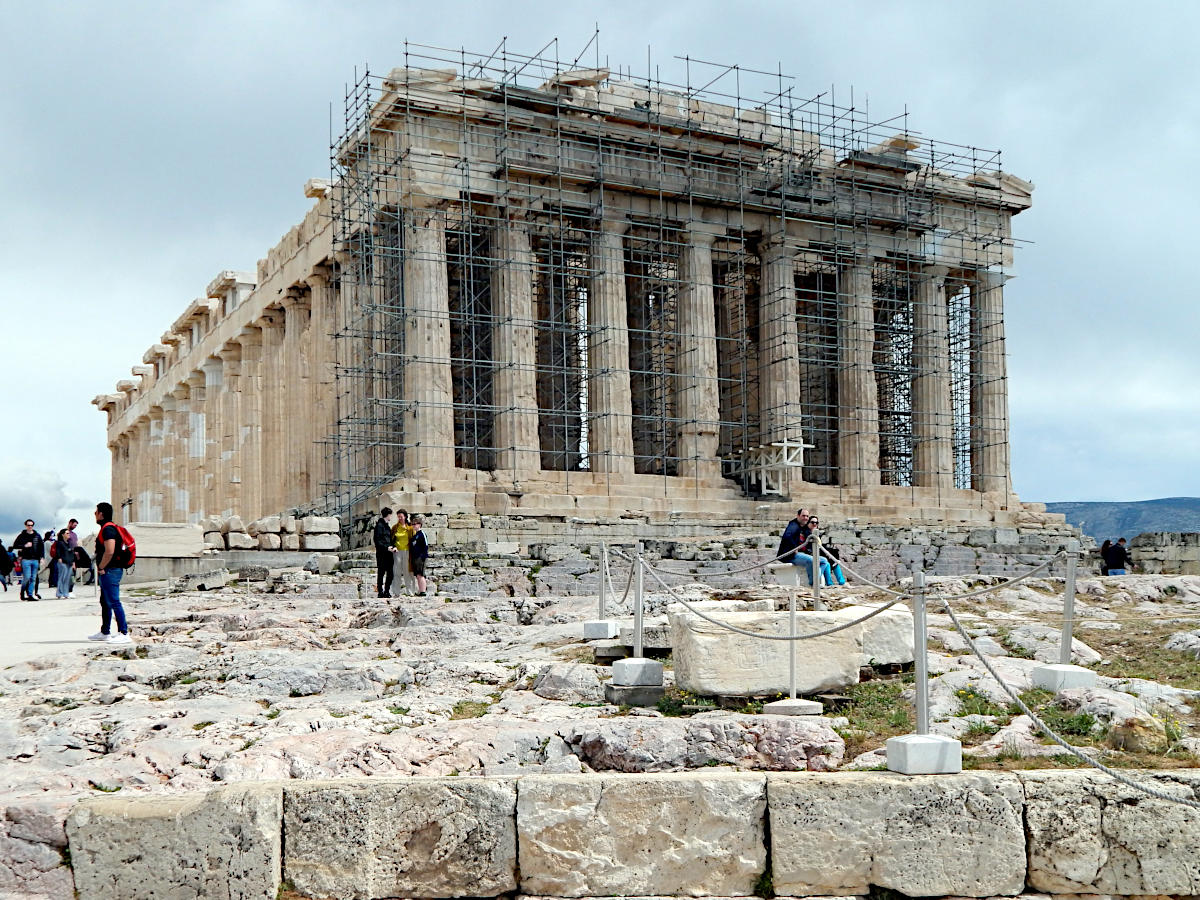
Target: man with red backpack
[(115, 552)]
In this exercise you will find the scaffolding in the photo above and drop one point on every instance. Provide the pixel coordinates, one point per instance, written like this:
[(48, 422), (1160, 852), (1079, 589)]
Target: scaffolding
[(489, 136)]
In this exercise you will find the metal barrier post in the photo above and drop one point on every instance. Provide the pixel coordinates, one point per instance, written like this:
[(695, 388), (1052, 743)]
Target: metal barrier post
[(922, 753), (818, 603), (636, 681), (792, 645), (602, 628), (639, 587), (1063, 675), (602, 600)]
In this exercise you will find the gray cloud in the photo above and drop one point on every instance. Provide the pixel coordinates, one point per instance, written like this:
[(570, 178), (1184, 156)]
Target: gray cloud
[(30, 493)]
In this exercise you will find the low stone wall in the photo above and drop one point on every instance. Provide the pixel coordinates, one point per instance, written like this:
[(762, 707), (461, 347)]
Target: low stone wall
[(729, 834), (282, 532), (1166, 553)]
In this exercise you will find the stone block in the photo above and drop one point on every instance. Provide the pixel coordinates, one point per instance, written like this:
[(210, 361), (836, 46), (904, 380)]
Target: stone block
[(265, 525), (502, 548), (418, 837), (924, 754), (223, 843), (269, 541), (1089, 834), (789, 707), (636, 671), (237, 540), (687, 834), (712, 661), (925, 836), (233, 523), (211, 523), (1008, 536), (214, 540), (1058, 677), (321, 563), (287, 524), (166, 539), (200, 581), (319, 525), (320, 541), (656, 633), (253, 573), (289, 541), (600, 630), (646, 695)]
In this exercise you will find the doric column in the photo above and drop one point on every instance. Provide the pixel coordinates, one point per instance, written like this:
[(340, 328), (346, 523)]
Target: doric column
[(697, 400), (197, 472), (166, 462), (272, 390), (989, 385), (514, 349), (428, 390), (610, 434), (120, 476), (154, 456), (296, 418), (250, 505), (216, 478), (181, 462), (230, 483), (779, 367), (323, 379), (932, 414), (858, 396), (139, 455)]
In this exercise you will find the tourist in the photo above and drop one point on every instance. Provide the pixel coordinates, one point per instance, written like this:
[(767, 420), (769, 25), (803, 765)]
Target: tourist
[(6, 566), (1118, 558), (384, 558), (805, 552), (73, 540), (64, 556), (418, 552), (401, 532), (1105, 549), (833, 555), (109, 554), (31, 548), (793, 536)]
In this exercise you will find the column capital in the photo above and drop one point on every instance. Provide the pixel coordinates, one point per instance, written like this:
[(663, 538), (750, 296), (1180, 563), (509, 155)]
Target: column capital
[(991, 278), (935, 271), (611, 224), (249, 337), (703, 233)]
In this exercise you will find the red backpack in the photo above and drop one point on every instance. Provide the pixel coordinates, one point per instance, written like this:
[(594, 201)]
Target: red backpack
[(125, 553)]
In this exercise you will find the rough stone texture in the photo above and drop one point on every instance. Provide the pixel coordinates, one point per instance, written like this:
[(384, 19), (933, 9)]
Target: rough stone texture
[(319, 525), (1090, 834), (712, 661), (291, 541), (444, 837), (236, 540), (265, 525), (200, 581), (924, 835), (319, 541), (1185, 642), (573, 682), (887, 638), (232, 524), (223, 844), (253, 573), (32, 841), (692, 834), (1043, 642), (268, 541)]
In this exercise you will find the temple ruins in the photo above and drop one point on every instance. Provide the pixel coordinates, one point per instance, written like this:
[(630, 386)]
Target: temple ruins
[(560, 295)]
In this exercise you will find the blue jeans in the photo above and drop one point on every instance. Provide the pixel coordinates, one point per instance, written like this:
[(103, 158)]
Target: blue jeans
[(29, 574), (110, 601), (1116, 571), (65, 577), (803, 559)]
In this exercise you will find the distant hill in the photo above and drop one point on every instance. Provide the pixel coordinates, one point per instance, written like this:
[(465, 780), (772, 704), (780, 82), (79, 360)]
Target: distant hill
[(1113, 520)]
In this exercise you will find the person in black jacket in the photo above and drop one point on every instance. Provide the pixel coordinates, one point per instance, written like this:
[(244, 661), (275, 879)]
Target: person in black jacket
[(30, 548), (793, 536), (1119, 559), (6, 566), (418, 552), (384, 558)]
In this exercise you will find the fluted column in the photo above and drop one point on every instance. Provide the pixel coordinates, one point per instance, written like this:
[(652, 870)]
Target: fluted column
[(120, 476), (610, 434), (166, 461), (139, 455), (230, 482), (322, 383), (514, 348), (697, 399), (272, 390), (858, 395), (154, 482), (296, 418), (428, 390), (180, 455), (216, 478), (989, 385), (779, 367), (197, 472), (932, 414), (251, 406)]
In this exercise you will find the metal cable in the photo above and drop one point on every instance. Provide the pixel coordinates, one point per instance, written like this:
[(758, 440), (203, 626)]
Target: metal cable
[(1074, 751), (772, 637), (1005, 584)]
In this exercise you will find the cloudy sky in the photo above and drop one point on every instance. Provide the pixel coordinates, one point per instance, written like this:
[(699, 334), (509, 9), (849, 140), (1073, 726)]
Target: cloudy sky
[(148, 146)]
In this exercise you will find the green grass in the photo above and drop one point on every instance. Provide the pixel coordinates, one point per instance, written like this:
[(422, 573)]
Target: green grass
[(469, 709), (974, 703), (200, 726), (876, 713), (398, 710)]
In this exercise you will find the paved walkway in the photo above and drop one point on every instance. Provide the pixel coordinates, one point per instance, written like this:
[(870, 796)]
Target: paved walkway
[(30, 630)]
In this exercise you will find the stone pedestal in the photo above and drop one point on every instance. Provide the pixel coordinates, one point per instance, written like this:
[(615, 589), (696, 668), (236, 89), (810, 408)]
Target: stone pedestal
[(1059, 677), (633, 695), (600, 630), (924, 754), (789, 707), (637, 671)]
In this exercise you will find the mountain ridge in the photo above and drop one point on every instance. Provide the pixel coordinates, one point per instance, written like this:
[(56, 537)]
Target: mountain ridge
[(1113, 519)]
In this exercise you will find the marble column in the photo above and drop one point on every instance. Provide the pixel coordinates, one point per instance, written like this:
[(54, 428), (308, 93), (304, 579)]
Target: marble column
[(858, 395), (323, 382), (154, 482), (197, 472), (180, 455), (779, 400), (295, 423), (251, 406), (272, 389), (120, 477), (610, 433), (514, 348), (216, 478), (139, 454), (428, 391), (932, 414), (989, 385), (166, 462), (697, 399), (230, 482)]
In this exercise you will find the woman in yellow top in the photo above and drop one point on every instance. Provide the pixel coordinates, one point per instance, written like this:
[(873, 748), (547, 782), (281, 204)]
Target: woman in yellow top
[(401, 532)]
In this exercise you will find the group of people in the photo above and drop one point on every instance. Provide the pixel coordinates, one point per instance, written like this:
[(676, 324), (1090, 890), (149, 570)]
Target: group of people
[(798, 542), (400, 543), (29, 549), (1114, 558)]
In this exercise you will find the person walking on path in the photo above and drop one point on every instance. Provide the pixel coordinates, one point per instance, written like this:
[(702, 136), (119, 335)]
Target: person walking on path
[(384, 558), (6, 566), (418, 552), (109, 572), (31, 548), (65, 557), (1118, 558), (401, 533)]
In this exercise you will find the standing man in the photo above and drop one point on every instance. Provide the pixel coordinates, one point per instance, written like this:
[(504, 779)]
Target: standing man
[(73, 540), (109, 572), (384, 558), (30, 548), (1119, 558)]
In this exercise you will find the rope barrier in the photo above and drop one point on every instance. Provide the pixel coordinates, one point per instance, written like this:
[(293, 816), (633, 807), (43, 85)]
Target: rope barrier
[(1045, 729)]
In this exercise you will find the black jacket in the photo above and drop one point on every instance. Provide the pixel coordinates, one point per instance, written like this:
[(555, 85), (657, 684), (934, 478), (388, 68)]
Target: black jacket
[(383, 535), (1117, 557), (418, 547), (793, 536), (29, 546)]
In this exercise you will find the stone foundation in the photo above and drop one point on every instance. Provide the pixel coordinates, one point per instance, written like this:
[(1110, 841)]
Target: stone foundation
[(1166, 553)]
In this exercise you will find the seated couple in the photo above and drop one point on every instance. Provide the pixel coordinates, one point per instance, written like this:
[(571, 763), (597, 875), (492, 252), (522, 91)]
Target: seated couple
[(796, 546)]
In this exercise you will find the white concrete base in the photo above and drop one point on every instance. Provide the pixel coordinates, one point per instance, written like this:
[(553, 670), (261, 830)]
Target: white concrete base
[(636, 672), (924, 754), (1059, 677), (789, 707), (600, 630)]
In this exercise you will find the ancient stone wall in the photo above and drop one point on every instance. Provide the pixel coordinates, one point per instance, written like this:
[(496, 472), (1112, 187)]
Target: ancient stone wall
[(976, 834), (1166, 553)]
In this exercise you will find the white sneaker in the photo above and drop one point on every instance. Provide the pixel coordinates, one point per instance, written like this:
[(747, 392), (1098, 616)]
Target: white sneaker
[(119, 639), (98, 636)]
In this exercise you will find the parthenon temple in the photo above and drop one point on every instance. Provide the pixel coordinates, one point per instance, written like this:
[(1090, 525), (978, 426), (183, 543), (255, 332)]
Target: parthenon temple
[(559, 294)]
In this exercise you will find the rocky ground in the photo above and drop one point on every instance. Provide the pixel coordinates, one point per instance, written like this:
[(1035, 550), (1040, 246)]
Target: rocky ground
[(302, 677)]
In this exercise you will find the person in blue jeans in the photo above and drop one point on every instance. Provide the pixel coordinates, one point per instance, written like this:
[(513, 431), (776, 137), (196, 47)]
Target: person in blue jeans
[(31, 548), (805, 550), (108, 553)]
